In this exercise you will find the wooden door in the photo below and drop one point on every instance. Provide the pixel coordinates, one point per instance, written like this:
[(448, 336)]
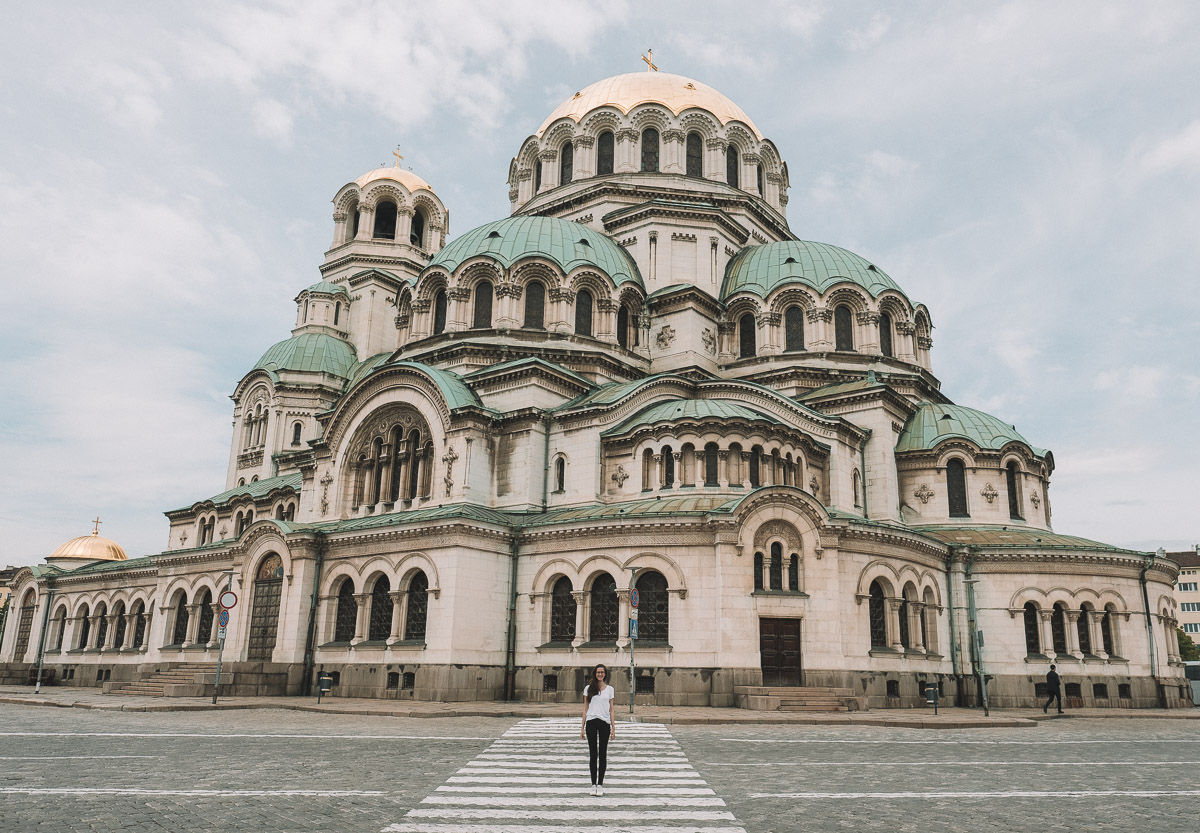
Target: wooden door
[(779, 646), (264, 612)]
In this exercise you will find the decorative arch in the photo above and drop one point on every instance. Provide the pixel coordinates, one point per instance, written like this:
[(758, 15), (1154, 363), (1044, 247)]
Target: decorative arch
[(411, 563), (880, 571), (663, 564)]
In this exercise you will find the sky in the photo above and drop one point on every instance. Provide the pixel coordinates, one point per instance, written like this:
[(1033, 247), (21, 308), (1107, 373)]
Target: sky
[(1028, 170)]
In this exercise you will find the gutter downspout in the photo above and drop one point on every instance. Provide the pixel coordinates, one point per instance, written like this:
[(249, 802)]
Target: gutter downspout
[(976, 634), (310, 641), (1150, 626), (545, 461), (862, 463), (510, 653), (45, 627), (953, 631)]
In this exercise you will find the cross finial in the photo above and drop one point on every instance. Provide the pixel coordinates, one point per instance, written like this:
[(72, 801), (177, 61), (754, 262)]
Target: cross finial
[(396, 153), (96, 528), (649, 59)]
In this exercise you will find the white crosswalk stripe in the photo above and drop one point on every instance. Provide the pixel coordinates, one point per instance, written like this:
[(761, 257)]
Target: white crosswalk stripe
[(535, 779)]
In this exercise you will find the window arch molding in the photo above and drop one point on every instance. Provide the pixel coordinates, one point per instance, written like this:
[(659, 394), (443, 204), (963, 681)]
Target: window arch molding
[(884, 573), (550, 572), (662, 564), (412, 563)]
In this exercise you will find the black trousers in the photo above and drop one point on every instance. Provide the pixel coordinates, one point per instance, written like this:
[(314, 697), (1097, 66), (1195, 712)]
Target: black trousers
[(1054, 695), (597, 738)]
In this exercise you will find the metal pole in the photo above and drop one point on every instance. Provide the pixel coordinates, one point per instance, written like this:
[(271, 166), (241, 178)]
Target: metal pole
[(42, 642), (976, 634), (632, 576), (221, 649)]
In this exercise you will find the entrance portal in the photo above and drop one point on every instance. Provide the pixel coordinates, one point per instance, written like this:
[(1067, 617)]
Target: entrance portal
[(779, 646), (264, 613)]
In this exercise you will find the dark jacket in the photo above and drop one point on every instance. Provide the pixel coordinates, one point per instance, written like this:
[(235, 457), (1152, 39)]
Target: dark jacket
[(1052, 684)]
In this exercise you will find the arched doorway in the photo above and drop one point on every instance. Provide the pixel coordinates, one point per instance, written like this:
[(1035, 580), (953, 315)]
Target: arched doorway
[(264, 614)]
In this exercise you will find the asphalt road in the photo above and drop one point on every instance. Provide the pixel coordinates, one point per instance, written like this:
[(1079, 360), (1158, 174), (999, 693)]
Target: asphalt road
[(265, 770)]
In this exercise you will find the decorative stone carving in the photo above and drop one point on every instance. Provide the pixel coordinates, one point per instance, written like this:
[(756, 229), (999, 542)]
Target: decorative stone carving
[(665, 337), (813, 486), (819, 314), (620, 476), (448, 458), (325, 481), (905, 328), (989, 494), (183, 538), (709, 339), (1035, 499), (923, 493), (223, 532), (869, 317)]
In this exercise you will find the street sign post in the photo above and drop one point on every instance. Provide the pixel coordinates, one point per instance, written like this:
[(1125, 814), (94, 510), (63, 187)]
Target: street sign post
[(220, 633), (227, 600), (223, 621), (633, 630)]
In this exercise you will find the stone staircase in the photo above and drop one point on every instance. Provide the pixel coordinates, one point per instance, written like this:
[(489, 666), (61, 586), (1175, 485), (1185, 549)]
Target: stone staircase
[(797, 699), (187, 679)]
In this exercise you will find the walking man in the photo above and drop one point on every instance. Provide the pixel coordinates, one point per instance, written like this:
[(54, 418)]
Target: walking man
[(1054, 689)]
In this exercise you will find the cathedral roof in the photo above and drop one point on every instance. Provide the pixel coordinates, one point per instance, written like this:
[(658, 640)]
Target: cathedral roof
[(567, 244), (675, 410), (933, 424), (405, 177), (624, 92), (94, 547), (256, 489), (311, 353), (327, 287), (762, 269)]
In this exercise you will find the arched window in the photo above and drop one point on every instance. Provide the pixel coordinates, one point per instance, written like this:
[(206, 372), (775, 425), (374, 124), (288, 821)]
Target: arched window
[(207, 614), (562, 612), (654, 614), (418, 608), (416, 231), (650, 151), (733, 465), (346, 617), (385, 221), (885, 334), (777, 566), (956, 488), (731, 166), (710, 465), (560, 475), (583, 313), (746, 336), (604, 609), (179, 635), (337, 311), (857, 488), (647, 470), (414, 463), (537, 174), (878, 615), (483, 306), (439, 312), (794, 573), (85, 629), (755, 471), (843, 328), (535, 305), (1033, 637), (381, 610), (1011, 475), (605, 153), (1083, 627), (353, 221), (695, 155), (296, 429), (59, 633), (905, 636), (793, 329), (566, 163), (758, 571), (668, 467), (1106, 633), (759, 181), (139, 626), (623, 326), (1058, 628), (378, 460)]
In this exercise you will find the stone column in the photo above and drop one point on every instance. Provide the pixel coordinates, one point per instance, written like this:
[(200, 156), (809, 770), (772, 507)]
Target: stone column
[(581, 599), (1070, 617), (905, 334), (916, 618), (622, 617), (404, 215), (458, 307), (714, 159), (627, 159), (585, 157), (360, 622), (398, 598), (366, 222), (655, 480), (1048, 633), (723, 468), (672, 152), (1098, 634), (193, 625), (867, 338), (213, 639), (819, 337), (110, 635), (893, 613), (130, 629), (146, 636)]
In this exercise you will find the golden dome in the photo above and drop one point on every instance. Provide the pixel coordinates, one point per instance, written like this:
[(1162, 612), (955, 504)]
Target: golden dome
[(92, 547), (624, 92), (405, 177)]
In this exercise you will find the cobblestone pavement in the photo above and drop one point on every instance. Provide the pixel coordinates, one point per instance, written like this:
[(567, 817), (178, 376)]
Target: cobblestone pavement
[(269, 770)]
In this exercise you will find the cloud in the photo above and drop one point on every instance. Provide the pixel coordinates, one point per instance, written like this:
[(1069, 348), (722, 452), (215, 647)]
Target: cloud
[(273, 120), (1180, 152), (127, 93), (1137, 383), (865, 37)]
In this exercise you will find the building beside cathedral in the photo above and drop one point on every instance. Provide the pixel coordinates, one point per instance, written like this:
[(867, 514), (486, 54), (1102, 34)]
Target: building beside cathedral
[(448, 480)]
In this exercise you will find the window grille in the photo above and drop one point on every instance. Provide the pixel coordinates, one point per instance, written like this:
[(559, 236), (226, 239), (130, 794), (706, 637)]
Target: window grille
[(483, 306), (1058, 627), (731, 166), (1100, 691), (393, 680), (793, 326), (893, 688), (549, 683), (583, 313), (1033, 639), (758, 571), (566, 163), (605, 145), (877, 611), (410, 681), (381, 610), (181, 622), (1124, 691), (604, 609), (206, 618), (1106, 633), (843, 329), (695, 155), (1083, 627), (650, 150), (347, 613), (653, 607), (644, 684), (794, 573), (776, 566), (562, 612), (418, 608), (746, 336), (535, 306)]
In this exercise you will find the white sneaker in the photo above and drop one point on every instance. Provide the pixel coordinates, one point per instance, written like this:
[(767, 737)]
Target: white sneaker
[(593, 791), (599, 790)]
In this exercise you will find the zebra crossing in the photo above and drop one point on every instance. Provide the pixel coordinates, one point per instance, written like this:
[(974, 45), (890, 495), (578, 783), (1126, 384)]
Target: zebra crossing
[(534, 779)]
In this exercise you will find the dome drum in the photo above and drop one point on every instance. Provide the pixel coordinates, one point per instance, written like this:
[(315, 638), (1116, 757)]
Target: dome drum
[(387, 207)]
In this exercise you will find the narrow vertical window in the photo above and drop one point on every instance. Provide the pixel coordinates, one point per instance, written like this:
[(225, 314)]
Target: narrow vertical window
[(604, 609), (346, 613), (668, 467), (695, 155), (381, 610), (794, 573), (1106, 633), (537, 174), (1011, 476), (650, 151), (746, 336), (956, 488), (755, 474), (710, 465), (439, 312), (416, 233), (877, 613), (843, 329), (417, 611), (354, 221), (793, 329), (647, 470), (1083, 626), (566, 163), (560, 475), (731, 166), (1058, 629), (385, 221), (296, 429), (758, 571), (535, 306), (776, 566), (562, 612), (483, 306), (583, 313), (337, 312), (1033, 638), (623, 326), (654, 607), (885, 335), (605, 145), (759, 176)]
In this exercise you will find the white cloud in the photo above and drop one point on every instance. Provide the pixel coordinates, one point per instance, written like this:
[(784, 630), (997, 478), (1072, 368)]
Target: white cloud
[(273, 120), (1180, 152), (126, 92), (1137, 383), (866, 36)]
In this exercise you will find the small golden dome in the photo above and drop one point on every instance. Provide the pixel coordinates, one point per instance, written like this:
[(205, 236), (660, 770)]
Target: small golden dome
[(94, 547), (405, 177)]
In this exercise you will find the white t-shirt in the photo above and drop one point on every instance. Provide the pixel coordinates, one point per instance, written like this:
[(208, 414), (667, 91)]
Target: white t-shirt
[(599, 705)]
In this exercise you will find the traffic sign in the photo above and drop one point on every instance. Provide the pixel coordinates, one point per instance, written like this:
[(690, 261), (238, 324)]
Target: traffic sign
[(633, 598), (633, 629), (633, 615), (220, 633), (224, 618), (228, 599)]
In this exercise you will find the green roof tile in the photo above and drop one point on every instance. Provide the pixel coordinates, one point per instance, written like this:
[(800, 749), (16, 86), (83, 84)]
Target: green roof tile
[(257, 489), (1000, 537), (932, 424), (310, 353), (329, 288), (690, 409), (761, 269)]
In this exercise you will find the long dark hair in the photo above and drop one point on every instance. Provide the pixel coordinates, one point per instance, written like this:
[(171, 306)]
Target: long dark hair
[(594, 683)]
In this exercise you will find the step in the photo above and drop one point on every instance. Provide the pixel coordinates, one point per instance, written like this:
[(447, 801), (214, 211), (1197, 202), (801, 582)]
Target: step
[(836, 708)]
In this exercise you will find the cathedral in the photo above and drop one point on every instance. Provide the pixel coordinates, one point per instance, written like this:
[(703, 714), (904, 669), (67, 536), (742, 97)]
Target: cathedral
[(638, 417)]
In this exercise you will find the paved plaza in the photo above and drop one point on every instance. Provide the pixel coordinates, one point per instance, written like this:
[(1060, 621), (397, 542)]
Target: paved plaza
[(273, 770)]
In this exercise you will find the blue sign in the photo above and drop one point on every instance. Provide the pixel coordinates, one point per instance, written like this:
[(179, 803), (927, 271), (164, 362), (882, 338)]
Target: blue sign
[(633, 629), (633, 597), (224, 617)]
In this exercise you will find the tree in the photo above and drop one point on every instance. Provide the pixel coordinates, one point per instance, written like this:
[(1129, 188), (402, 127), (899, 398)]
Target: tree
[(1188, 650)]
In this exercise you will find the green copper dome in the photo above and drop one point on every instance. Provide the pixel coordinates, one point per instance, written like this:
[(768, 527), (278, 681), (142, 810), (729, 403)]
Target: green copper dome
[(568, 244), (932, 424), (328, 288), (311, 353), (762, 269), (674, 410)]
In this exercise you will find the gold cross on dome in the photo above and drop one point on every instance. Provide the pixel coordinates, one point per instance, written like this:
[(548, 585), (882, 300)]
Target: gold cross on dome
[(396, 153), (650, 67), (96, 528)]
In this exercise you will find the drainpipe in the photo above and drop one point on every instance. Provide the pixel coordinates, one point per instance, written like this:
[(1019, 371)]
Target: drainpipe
[(510, 653), (42, 641), (976, 634), (862, 462), (1150, 625), (310, 640), (953, 630), (545, 461)]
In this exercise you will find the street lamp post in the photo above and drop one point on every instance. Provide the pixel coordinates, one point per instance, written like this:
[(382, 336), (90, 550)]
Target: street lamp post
[(221, 647)]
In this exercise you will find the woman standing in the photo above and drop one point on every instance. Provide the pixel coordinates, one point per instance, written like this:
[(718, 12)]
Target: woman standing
[(599, 726)]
